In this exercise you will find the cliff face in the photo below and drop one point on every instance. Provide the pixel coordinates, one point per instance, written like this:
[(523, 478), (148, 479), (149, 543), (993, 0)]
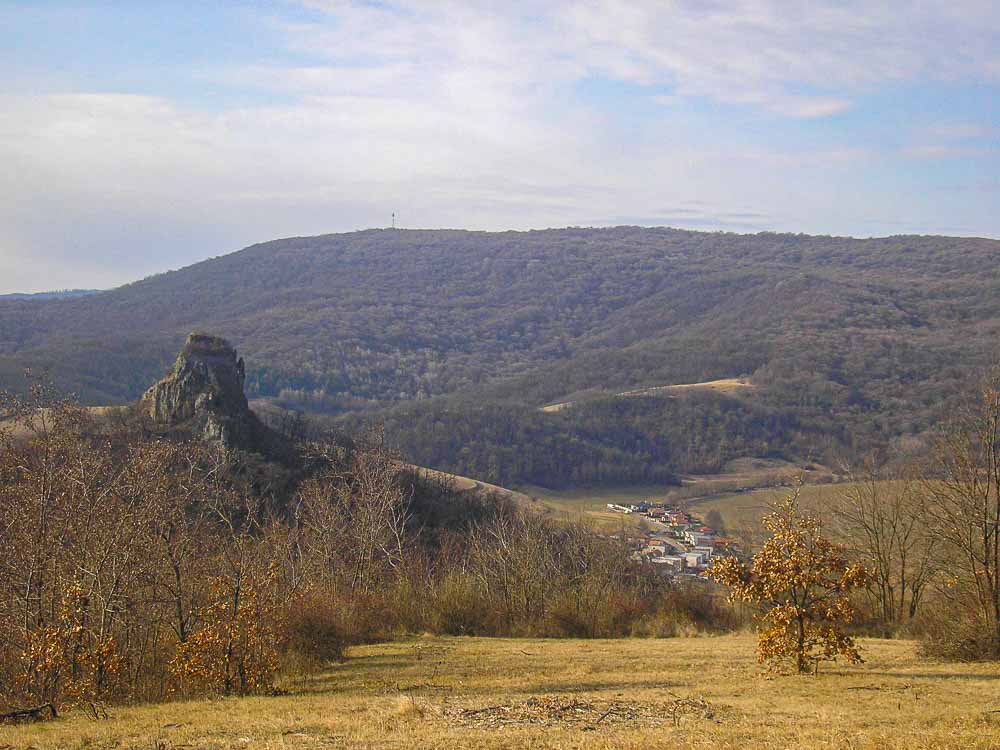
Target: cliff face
[(203, 393)]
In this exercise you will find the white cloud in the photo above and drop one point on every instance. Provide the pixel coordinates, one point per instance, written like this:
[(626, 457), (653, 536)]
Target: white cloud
[(469, 114), (953, 140), (800, 59), (943, 151)]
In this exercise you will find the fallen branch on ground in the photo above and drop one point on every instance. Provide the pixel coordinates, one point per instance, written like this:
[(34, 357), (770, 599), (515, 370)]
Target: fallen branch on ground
[(24, 715), (689, 706)]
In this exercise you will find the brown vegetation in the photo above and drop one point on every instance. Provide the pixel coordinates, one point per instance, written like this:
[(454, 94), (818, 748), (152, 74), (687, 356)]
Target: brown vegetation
[(926, 528), (965, 509), (496, 693), (801, 583), (884, 516), (138, 568)]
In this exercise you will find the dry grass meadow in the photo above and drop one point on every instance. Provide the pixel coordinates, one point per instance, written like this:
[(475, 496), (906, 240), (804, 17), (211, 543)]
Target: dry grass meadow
[(700, 492), (591, 505), (725, 385), (506, 693), (743, 510), (18, 432)]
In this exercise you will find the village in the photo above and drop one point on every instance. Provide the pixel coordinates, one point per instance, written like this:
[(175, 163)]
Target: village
[(677, 544)]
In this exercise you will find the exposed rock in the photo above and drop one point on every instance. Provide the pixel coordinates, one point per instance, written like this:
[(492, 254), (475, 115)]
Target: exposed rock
[(203, 394)]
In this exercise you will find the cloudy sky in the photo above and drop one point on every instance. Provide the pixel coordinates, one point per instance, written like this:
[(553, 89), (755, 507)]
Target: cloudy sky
[(143, 135)]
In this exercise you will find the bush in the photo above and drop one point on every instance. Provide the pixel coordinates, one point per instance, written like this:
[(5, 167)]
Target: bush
[(457, 607), (953, 632), (690, 609), (317, 630)]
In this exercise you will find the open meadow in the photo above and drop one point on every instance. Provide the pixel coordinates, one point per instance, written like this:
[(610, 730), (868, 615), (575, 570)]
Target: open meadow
[(506, 693), (742, 511), (742, 493), (591, 505), (725, 385)]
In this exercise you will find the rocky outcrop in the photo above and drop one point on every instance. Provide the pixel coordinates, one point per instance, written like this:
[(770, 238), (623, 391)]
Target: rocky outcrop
[(203, 394)]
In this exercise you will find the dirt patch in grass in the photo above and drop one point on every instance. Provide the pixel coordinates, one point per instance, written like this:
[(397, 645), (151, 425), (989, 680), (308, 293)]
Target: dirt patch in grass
[(550, 711)]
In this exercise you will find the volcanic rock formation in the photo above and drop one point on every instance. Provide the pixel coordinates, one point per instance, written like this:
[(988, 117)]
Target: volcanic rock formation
[(203, 394)]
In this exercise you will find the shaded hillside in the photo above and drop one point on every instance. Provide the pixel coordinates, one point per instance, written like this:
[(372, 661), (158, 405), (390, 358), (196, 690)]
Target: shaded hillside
[(878, 333), (599, 441)]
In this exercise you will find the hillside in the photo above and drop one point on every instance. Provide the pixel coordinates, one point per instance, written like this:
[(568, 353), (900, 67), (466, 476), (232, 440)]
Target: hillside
[(847, 342)]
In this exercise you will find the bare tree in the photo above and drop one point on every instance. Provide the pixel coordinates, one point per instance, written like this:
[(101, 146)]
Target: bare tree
[(965, 489), (883, 518), (515, 564), (358, 517)]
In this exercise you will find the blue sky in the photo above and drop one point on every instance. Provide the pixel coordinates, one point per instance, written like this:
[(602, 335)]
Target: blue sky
[(141, 136)]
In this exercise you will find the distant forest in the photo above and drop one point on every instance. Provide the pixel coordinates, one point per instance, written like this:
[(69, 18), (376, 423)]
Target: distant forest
[(603, 441), (455, 339), (58, 294)]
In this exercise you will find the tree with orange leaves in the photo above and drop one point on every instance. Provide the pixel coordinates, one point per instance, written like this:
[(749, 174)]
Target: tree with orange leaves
[(802, 583)]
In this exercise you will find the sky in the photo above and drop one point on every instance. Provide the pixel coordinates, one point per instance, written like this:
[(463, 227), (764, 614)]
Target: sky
[(143, 135)]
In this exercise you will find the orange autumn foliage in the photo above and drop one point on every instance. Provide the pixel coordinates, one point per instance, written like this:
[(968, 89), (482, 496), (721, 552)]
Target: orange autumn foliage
[(802, 583)]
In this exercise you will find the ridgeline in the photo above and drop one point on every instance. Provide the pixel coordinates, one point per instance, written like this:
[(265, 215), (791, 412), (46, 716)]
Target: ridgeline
[(457, 339)]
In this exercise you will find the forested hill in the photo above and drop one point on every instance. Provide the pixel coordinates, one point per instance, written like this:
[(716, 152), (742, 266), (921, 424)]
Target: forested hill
[(876, 332), (58, 294)]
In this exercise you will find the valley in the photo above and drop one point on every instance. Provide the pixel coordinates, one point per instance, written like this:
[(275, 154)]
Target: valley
[(597, 375), (554, 494), (741, 484)]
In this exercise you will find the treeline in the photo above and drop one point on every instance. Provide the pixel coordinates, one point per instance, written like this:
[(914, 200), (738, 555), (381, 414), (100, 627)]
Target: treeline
[(598, 441), (140, 569)]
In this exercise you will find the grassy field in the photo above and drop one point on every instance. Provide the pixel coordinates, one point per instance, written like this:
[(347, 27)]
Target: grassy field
[(743, 510), (705, 492), (20, 431), (725, 385), (467, 483), (495, 693), (591, 505)]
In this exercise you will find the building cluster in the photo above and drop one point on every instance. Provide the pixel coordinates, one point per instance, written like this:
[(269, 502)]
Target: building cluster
[(678, 543)]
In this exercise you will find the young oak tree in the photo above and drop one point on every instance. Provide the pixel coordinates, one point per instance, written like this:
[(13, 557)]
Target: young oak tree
[(802, 583)]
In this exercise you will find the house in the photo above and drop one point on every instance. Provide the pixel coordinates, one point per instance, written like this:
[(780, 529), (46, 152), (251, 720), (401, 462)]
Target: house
[(659, 548), (634, 508), (698, 538), (693, 560), (670, 563)]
